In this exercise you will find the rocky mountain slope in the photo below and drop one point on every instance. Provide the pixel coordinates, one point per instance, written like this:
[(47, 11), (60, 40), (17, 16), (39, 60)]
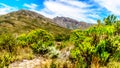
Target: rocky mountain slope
[(23, 21), (70, 23)]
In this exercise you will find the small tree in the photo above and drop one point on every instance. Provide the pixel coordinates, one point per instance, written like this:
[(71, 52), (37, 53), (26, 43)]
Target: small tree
[(110, 19), (99, 22)]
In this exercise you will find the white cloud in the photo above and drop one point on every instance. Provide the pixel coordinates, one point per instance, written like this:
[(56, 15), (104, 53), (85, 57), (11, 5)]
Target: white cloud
[(111, 5), (31, 6), (69, 8), (4, 9), (75, 9), (76, 3)]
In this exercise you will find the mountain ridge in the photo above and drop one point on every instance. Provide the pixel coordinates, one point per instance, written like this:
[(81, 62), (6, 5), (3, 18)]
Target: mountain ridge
[(23, 21), (70, 23)]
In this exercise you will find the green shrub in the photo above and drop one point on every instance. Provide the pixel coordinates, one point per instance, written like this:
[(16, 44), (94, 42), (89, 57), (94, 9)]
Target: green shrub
[(36, 35), (53, 65), (117, 28), (116, 48), (21, 40), (94, 44), (38, 39), (62, 37), (7, 42), (41, 48), (5, 59)]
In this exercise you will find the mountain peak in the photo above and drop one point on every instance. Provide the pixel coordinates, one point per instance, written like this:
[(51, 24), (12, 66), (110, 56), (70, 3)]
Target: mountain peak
[(29, 13), (24, 20), (70, 23)]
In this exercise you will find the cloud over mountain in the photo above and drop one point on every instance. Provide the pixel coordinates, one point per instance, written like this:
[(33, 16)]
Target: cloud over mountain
[(81, 10)]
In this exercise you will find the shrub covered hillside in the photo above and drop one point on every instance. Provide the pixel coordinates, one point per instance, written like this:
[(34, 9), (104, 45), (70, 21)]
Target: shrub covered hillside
[(98, 45), (95, 47), (24, 46)]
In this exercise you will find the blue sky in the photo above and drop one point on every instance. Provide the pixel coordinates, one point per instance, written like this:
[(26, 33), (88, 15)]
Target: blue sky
[(81, 10)]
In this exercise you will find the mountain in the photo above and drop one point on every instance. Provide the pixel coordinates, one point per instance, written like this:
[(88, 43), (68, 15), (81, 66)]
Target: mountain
[(70, 23), (23, 21)]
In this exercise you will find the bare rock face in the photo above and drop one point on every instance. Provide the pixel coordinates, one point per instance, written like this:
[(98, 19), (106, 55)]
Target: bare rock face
[(70, 23)]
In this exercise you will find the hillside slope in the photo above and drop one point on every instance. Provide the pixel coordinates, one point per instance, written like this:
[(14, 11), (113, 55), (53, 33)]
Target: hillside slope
[(23, 21)]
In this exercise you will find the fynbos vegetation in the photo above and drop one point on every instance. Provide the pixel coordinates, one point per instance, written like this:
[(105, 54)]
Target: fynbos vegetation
[(94, 47)]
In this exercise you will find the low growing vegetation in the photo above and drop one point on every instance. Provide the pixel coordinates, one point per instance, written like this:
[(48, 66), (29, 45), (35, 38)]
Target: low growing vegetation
[(97, 46)]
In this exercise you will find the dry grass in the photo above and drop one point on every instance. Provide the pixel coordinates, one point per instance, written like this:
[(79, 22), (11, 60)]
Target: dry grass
[(24, 53)]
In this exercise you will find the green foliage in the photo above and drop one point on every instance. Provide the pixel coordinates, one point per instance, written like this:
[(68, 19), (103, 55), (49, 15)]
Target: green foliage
[(37, 35), (101, 30), (116, 47), (99, 22), (53, 65), (7, 42), (62, 37), (77, 35), (96, 41), (110, 19), (41, 48), (98, 44), (5, 60), (63, 44), (117, 27), (38, 39), (22, 40), (103, 50)]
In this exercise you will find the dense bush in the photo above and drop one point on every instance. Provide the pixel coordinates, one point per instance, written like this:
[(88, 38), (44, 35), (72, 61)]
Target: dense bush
[(5, 59), (115, 45), (117, 27), (22, 40), (39, 40), (7, 42), (7, 49), (37, 35), (62, 37), (95, 45)]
